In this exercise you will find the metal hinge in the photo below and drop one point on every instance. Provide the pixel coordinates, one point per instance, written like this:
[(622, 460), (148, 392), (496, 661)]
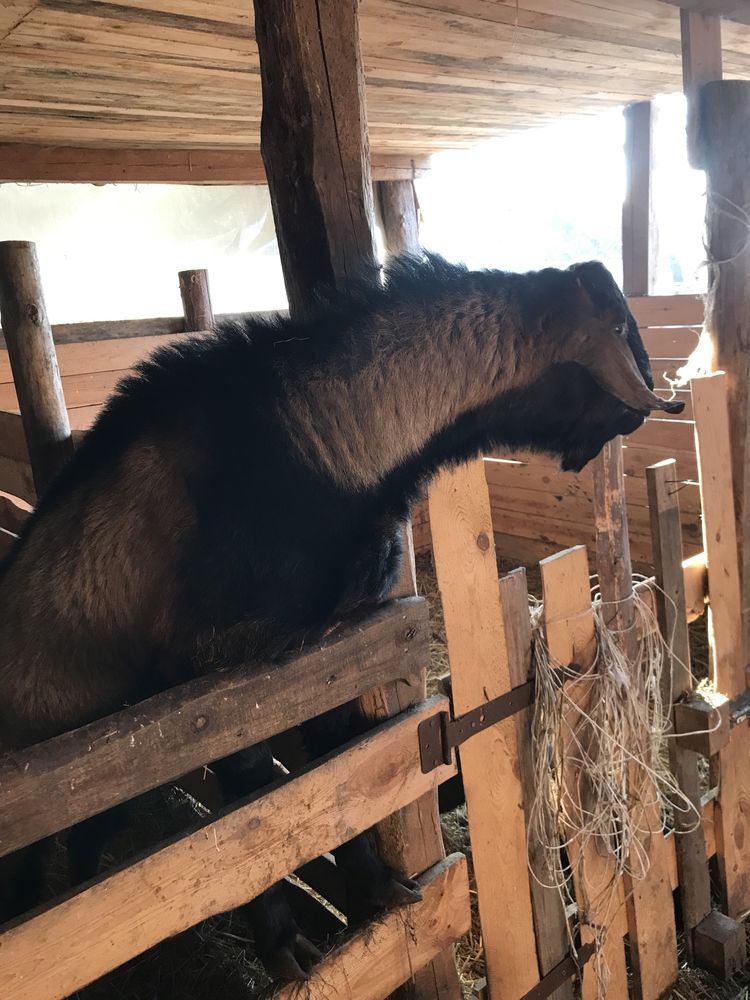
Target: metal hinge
[(440, 734)]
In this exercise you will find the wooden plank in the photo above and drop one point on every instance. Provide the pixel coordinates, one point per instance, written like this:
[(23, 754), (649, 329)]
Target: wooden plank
[(667, 310), (238, 856), (550, 921), (13, 513), (569, 628), (690, 845), (670, 341), (16, 478), (725, 632), (464, 555), (701, 48), (373, 962), (396, 201), (32, 357), (53, 785), (732, 10), (88, 389), (86, 165), (653, 936), (638, 224)]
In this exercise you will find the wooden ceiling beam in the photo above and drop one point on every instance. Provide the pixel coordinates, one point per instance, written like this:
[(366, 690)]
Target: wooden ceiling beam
[(26, 163), (731, 10)]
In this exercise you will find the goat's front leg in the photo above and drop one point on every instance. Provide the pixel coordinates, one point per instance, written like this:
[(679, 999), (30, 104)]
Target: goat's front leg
[(371, 883)]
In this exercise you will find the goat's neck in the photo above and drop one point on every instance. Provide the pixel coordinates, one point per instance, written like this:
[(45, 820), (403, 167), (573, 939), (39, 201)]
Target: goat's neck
[(408, 374)]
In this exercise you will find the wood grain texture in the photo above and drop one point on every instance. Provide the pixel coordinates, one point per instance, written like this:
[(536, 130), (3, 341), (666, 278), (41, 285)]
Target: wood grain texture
[(196, 300), (314, 143), (732, 10), (219, 866), (569, 629), (396, 201), (690, 844), (550, 921), (653, 936), (464, 555), (638, 222), (32, 357), (52, 785), (374, 961), (713, 444)]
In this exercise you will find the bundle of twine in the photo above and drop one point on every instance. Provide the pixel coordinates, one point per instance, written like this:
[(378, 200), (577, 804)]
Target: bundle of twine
[(603, 787)]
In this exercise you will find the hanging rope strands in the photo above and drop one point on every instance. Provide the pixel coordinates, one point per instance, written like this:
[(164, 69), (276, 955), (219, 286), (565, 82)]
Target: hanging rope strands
[(601, 768)]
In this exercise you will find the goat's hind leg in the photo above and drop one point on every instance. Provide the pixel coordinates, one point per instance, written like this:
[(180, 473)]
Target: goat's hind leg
[(282, 948), (371, 883)]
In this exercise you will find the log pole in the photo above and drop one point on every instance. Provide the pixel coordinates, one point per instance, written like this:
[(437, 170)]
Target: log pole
[(397, 204), (315, 148), (33, 361), (196, 300)]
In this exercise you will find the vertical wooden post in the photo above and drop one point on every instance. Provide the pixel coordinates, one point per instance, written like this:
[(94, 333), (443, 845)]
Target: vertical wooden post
[(315, 149), (701, 63), (690, 845), (196, 300), (653, 936), (314, 143), (713, 439), (33, 361), (464, 551), (722, 148), (569, 628), (638, 225), (550, 920), (398, 212)]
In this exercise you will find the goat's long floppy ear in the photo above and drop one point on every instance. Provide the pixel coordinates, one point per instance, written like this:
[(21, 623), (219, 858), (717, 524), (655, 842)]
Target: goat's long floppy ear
[(611, 363)]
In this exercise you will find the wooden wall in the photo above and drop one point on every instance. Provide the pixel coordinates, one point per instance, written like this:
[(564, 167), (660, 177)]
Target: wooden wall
[(536, 509)]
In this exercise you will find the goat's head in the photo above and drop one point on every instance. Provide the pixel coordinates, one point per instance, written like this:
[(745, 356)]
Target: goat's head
[(601, 385)]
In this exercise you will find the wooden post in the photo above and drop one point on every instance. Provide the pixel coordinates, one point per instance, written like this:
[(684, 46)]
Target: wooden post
[(690, 845), (713, 440), (315, 149), (550, 921), (464, 552), (33, 361), (722, 149), (638, 226), (314, 143), (701, 63), (397, 203), (196, 300), (653, 936)]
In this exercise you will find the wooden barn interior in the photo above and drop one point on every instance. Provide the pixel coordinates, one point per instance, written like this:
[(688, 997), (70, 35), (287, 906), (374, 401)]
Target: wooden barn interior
[(338, 107)]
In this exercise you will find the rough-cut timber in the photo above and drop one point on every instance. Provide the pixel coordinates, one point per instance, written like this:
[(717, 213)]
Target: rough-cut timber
[(398, 213), (314, 143), (464, 553), (653, 937), (550, 921), (722, 149), (32, 356), (219, 866), (569, 628), (52, 785), (690, 844), (638, 224), (713, 445), (732, 10), (372, 963), (196, 300)]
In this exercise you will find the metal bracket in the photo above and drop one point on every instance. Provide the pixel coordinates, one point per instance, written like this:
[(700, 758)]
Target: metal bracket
[(570, 966), (440, 734)]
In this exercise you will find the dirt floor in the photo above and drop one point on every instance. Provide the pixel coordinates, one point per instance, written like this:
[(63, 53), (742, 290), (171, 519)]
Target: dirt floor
[(216, 958)]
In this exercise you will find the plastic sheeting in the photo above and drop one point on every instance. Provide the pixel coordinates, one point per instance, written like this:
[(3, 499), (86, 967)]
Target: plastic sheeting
[(113, 251)]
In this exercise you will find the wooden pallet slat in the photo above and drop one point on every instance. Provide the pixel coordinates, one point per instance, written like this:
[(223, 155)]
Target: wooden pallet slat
[(220, 866), (464, 554)]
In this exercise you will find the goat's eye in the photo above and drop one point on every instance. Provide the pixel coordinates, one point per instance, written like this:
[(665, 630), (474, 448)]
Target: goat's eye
[(621, 329)]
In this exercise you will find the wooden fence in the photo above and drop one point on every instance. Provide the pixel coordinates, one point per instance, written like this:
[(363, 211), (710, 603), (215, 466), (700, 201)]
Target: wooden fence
[(231, 858), (536, 509)]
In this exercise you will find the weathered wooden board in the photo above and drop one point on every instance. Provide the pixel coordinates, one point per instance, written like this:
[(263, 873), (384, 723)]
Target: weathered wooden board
[(384, 954), (464, 554), (218, 867), (52, 785)]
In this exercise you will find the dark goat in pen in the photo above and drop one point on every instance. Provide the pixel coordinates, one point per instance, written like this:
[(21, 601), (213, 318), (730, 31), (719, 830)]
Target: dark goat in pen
[(243, 491)]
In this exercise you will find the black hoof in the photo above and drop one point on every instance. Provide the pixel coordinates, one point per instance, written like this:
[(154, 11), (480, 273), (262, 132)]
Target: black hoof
[(292, 961)]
